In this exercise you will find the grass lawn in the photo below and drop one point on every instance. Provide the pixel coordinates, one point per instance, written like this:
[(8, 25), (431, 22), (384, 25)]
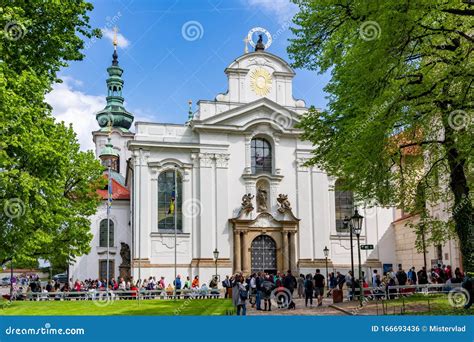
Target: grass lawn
[(201, 307), (426, 305)]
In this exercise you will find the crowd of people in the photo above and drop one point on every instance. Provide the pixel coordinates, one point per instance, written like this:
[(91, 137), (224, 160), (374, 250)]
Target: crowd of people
[(262, 286), (120, 287), (258, 288)]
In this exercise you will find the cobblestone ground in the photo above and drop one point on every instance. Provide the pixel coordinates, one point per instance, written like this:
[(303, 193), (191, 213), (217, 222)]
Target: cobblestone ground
[(328, 308)]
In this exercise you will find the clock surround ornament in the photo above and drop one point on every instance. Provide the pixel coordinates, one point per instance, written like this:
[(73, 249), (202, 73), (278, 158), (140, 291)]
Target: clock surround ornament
[(262, 31), (260, 81)]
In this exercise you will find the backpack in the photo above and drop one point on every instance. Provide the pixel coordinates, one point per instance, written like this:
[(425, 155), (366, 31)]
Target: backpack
[(243, 295)]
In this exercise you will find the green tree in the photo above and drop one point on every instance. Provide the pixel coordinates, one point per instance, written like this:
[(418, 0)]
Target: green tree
[(47, 185), (398, 128)]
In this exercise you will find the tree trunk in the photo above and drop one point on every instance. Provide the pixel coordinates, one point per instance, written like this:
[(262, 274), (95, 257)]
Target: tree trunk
[(462, 207)]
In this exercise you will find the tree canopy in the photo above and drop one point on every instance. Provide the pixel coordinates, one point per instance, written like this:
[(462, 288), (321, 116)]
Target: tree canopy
[(398, 127), (47, 185)]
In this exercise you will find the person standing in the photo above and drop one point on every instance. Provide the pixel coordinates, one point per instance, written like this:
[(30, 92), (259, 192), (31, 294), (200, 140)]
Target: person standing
[(289, 282), (258, 288), (308, 290), (195, 283), (401, 276), (300, 281), (226, 284), (412, 275), (239, 295), (319, 286), (177, 285), (422, 276)]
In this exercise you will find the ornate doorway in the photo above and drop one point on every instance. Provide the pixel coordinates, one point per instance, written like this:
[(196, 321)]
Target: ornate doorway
[(263, 253)]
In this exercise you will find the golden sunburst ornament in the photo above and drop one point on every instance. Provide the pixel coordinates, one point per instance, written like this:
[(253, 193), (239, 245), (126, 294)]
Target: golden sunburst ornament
[(260, 81)]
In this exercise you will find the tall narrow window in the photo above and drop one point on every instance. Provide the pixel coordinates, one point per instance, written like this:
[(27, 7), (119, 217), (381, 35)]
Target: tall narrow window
[(169, 201), (103, 233), (261, 155), (344, 204), (103, 269)]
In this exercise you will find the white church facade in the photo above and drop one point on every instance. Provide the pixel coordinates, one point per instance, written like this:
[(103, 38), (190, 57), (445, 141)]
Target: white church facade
[(232, 179)]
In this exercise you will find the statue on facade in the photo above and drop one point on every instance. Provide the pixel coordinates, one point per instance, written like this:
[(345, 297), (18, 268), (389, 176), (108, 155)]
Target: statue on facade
[(284, 203), (247, 205), (261, 199), (124, 267), (259, 46)]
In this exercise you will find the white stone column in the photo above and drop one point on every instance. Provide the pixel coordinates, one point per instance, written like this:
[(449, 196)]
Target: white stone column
[(293, 254), (245, 253), (207, 210), (221, 205), (285, 251), (237, 252), (248, 164)]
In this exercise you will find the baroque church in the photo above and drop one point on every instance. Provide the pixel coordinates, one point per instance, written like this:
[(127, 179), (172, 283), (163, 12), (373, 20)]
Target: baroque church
[(228, 189)]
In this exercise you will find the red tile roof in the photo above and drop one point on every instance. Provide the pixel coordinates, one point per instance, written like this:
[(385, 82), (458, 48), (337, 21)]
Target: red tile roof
[(119, 192)]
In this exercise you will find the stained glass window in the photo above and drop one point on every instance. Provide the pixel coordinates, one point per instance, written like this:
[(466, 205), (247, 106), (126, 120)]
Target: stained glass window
[(344, 205), (169, 201), (103, 233), (261, 155)]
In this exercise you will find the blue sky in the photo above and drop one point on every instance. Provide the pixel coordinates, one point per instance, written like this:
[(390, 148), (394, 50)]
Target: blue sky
[(164, 68)]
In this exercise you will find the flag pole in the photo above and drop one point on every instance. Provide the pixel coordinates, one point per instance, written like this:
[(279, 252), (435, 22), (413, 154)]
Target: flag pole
[(109, 191), (175, 226)]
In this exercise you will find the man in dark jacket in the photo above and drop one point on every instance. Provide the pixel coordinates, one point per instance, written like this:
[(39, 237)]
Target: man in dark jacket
[(258, 289), (289, 282)]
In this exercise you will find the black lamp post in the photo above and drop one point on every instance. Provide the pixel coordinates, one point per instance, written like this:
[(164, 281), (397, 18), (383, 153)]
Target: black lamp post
[(326, 254), (356, 222), (348, 225), (216, 256)]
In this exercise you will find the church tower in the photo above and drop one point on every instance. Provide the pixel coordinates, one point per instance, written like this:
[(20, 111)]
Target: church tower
[(114, 120), (114, 114), (110, 246)]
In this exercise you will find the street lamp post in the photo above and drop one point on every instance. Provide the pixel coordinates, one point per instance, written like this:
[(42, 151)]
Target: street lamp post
[(348, 225), (356, 222), (326, 254), (216, 256)]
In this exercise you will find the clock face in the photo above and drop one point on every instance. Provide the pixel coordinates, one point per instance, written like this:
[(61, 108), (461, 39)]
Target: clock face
[(260, 81)]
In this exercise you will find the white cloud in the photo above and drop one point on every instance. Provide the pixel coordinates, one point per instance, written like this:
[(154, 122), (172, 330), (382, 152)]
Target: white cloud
[(121, 40), (283, 10), (73, 106)]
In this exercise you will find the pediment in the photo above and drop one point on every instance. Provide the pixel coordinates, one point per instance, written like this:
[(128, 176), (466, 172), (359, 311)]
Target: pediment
[(262, 111)]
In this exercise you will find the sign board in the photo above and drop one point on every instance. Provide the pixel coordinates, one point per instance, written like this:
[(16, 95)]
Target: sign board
[(363, 247)]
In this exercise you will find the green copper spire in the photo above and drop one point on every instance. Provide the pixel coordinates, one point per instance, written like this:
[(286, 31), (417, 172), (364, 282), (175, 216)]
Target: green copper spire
[(108, 150), (114, 111)]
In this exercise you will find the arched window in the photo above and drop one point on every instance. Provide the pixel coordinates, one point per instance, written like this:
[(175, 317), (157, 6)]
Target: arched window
[(261, 154), (344, 204), (169, 200), (103, 233)]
